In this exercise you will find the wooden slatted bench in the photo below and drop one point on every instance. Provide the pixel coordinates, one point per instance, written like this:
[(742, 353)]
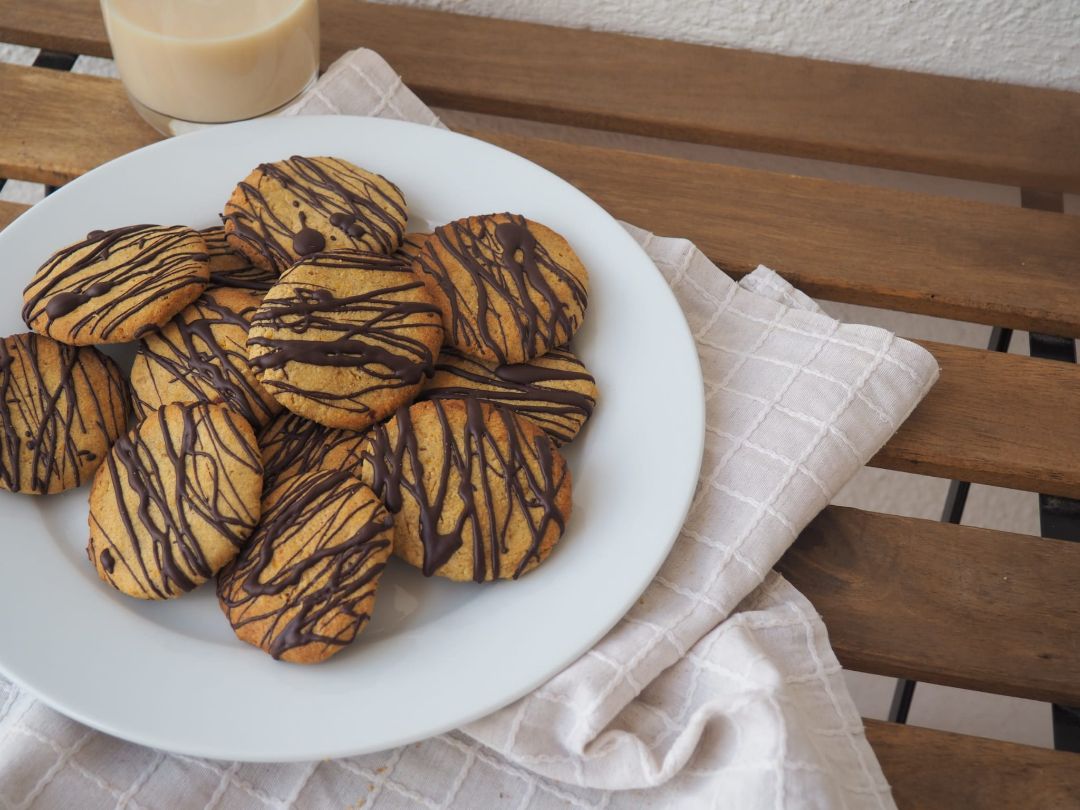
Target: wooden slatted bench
[(907, 598)]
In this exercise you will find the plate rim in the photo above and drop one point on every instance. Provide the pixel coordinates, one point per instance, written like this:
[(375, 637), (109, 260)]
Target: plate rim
[(685, 336)]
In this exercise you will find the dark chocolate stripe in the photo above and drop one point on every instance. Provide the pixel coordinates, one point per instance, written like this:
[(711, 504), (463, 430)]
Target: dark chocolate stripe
[(328, 576), (176, 495), (228, 268), (190, 351), (165, 260), (371, 332), (79, 403), (338, 205), (490, 471), (529, 389), (294, 444), (504, 265)]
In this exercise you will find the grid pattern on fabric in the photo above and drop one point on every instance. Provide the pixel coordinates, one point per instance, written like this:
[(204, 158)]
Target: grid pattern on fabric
[(366, 85), (49, 761), (796, 403), (718, 689)]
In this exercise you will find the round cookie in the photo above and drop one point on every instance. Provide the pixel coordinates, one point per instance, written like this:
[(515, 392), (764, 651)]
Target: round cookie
[(555, 391), (478, 492), (201, 356), (304, 587), (510, 289), (411, 244), (228, 268), (284, 211), (175, 500), (61, 408), (345, 338), (115, 286), (291, 445)]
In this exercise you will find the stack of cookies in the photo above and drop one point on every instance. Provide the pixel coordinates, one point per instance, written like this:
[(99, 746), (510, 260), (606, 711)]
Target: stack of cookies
[(314, 390)]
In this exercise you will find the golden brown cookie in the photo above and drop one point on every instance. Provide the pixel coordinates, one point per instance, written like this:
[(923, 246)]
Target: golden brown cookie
[(345, 338), (61, 408), (284, 211), (175, 500), (555, 391), (304, 587), (115, 286), (510, 289), (291, 445), (478, 492), (411, 244), (201, 356), (229, 268)]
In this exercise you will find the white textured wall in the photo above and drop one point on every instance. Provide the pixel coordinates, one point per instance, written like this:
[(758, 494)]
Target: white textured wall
[(1035, 42)]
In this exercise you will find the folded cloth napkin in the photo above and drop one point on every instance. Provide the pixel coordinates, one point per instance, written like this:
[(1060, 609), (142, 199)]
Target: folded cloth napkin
[(718, 689)]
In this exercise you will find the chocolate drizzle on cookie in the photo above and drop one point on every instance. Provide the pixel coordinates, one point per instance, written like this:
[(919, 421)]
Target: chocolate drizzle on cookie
[(374, 332), (110, 279), (529, 389), (411, 244), (310, 572), (228, 268), (54, 400), (493, 475), (292, 445), (167, 499), (331, 198), (202, 350), (503, 291), (308, 241)]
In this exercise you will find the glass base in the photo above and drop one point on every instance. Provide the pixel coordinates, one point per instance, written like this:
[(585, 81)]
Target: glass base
[(170, 125)]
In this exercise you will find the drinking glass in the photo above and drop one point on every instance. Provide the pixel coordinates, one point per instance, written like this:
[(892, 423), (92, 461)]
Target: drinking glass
[(191, 63)]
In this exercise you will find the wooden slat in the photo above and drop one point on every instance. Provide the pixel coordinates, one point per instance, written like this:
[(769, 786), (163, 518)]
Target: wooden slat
[(58, 125), (919, 253), (8, 212), (938, 770), (71, 26), (855, 114), (972, 608), (994, 418)]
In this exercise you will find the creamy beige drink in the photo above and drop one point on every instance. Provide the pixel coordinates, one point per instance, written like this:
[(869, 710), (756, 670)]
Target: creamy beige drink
[(212, 61)]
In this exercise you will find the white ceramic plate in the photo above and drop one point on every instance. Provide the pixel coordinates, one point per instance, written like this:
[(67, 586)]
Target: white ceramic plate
[(436, 654)]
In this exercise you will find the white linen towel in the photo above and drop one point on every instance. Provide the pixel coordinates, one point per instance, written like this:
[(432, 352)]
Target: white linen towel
[(718, 689)]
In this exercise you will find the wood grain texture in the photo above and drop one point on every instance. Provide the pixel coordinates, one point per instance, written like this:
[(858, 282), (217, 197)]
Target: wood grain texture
[(58, 125), (878, 247), (972, 608), (71, 26), (8, 212), (994, 418), (938, 770), (850, 113), (919, 253)]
